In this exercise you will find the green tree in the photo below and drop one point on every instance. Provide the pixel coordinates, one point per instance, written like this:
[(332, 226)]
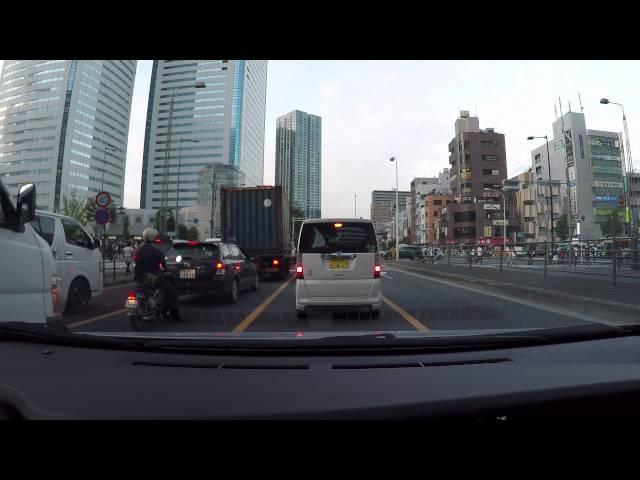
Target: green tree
[(74, 207), (183, 232), (613, 226), (164, 213), (193, 233), (125, 226), (562, 227)]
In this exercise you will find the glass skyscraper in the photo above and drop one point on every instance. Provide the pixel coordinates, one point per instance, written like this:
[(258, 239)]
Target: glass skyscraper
[(299, 160), (226, 118), (56, 118)]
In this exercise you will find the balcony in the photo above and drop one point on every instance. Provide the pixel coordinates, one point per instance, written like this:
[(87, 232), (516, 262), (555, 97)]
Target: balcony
[(529, 228)]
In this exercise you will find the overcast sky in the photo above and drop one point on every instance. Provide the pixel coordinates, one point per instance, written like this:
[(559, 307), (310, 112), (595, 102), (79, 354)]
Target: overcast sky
[(372, 110)]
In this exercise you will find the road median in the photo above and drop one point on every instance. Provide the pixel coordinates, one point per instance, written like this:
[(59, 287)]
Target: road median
[(615, 311)]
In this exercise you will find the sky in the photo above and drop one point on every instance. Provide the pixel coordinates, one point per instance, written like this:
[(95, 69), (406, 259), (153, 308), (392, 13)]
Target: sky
[(373, 110)]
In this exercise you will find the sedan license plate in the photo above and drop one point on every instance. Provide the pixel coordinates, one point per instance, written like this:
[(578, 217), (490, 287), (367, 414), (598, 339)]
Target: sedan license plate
[(338, 264), (187, 274)]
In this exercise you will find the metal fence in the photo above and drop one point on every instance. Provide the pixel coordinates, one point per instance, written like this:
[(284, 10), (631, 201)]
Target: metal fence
[(607, 257)]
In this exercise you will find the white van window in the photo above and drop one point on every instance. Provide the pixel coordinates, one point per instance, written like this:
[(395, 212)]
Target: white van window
[(45, 226), (329, 237), (75, 234)]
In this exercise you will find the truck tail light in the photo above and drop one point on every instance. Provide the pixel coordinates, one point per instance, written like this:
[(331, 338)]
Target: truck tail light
[(299, 272), (376, 271), (56, 283), (276, 262)]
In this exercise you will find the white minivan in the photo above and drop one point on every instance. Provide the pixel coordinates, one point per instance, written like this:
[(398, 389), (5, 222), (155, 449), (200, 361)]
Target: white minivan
[(76, 255), (338, 265), (29, 285)]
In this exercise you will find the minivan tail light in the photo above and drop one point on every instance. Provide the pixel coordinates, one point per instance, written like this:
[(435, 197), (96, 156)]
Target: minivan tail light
[(376, 271), (299, 272)]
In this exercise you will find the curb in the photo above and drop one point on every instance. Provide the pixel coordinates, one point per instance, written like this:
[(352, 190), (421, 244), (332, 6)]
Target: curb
[(605, 309)]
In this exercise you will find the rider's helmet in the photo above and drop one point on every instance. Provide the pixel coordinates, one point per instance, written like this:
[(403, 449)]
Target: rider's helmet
[(149, 234)]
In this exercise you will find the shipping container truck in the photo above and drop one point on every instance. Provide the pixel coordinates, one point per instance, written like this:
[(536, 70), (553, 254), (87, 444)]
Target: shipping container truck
[(257, 220)]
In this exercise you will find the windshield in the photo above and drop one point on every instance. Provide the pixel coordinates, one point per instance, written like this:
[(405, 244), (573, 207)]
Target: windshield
[(192, 252), (338, 237), (315, 199)]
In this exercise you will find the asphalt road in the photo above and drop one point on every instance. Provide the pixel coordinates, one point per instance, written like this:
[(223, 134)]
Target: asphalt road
[(411, 302)]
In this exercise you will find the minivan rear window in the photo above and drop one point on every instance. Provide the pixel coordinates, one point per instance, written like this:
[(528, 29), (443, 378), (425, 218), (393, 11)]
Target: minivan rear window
[(192, 252), (355, 237)]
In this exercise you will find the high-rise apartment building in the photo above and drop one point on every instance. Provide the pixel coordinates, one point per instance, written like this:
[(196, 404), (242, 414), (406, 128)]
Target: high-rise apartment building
[(64, 125), (383, 209), (218, 112), (420, 187), (299, 160)]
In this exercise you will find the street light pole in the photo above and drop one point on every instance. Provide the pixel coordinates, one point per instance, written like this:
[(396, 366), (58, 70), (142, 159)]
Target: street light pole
[(164, 200), (178, 185), (393, 159)]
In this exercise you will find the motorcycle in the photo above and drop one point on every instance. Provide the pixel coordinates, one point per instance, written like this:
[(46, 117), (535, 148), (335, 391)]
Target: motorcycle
[(145, 305)]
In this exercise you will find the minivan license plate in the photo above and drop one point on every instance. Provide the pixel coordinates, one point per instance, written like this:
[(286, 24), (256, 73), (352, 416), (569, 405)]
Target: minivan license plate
[(187, 274), (338, 264)]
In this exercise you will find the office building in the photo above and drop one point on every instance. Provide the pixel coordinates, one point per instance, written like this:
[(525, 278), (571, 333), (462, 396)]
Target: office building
[(56, 118), (220, 104), (588, 165), (299, 160), (477, 161), (433, 204), (383, 208), (419, 188)]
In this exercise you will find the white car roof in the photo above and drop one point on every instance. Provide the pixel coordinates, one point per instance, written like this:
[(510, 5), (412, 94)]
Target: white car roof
[(337, 220)]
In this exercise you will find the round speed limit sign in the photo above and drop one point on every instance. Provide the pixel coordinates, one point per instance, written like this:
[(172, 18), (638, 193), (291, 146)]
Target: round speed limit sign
[(103, 199)]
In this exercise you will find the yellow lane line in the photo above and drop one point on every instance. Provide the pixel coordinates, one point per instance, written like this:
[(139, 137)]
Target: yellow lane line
[(95, 319), (249, 319), (404, 314)]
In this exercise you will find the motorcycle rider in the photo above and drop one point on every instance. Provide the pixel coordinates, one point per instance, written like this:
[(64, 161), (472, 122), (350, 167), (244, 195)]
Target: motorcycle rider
[(150, 264)]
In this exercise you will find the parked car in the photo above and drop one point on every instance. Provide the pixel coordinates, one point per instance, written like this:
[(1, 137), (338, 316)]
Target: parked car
[(30, 286), (76, 255), (409, 251), (211, 267), (338, 265)]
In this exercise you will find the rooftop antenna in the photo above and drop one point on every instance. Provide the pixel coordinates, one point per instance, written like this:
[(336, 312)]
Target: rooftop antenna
[(555, 110), (580, 100), (569, 101)]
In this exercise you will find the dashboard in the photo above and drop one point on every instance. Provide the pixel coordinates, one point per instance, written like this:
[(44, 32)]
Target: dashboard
[(587, 379)]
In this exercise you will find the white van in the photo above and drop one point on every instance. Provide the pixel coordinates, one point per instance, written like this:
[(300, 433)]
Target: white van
[(338, 265), (76, 255), (29, 285)]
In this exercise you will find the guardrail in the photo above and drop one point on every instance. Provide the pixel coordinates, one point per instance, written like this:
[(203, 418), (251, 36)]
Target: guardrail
[(616, 258)]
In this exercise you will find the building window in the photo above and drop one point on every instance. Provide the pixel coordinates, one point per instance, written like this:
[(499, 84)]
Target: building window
[(138, 219), (537, 158), (488, 143), (466, 144), (489, 171), (490, 158), (538, 169), (464, 216), (467, 158), (437, 202)]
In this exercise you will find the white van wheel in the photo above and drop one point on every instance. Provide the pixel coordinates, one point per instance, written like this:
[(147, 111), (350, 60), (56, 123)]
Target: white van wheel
[(79, 295)]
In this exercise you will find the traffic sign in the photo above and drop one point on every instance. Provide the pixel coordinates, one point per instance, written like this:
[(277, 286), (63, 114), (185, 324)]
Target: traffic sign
[(103, 199), (102, 216)]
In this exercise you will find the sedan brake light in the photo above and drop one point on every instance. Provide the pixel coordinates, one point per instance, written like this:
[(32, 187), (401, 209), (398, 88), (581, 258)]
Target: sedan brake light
[(299, 272), (219, 266), (276, 261)]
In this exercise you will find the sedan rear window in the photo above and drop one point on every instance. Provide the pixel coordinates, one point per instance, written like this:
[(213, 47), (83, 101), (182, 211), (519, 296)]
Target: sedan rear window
[(338, 237), (192, 252)]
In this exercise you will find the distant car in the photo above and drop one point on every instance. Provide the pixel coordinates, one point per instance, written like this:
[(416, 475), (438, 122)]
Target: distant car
[(338, 265), (409, 251), (212, 268)]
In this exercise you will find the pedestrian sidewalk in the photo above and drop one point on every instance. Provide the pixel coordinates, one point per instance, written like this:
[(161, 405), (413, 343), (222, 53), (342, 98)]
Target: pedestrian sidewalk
[(583, 285), (115, 273)]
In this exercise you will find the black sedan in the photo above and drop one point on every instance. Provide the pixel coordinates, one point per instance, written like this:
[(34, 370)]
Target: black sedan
[(211, 268)]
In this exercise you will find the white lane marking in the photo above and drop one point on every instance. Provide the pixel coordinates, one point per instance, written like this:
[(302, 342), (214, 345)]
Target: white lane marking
[(386, 275), (557, 311)]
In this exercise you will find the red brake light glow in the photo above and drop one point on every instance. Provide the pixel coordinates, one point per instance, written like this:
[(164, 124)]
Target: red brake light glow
[(131, 296), (157, 240), (192, 242), (299, 272), (276, 261), (376, 271)]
